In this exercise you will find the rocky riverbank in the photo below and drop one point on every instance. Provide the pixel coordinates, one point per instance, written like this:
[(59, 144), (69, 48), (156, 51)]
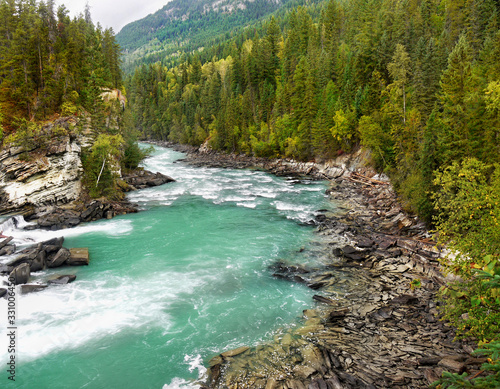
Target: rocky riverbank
[(374, 321), (86, 210)]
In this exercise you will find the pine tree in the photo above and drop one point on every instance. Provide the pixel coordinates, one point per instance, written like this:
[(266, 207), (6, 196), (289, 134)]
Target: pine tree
[(457, 86), (399, 69)]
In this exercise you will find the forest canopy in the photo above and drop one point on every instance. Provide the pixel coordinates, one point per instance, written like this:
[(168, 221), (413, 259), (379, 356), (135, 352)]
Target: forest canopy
[(51, 64)]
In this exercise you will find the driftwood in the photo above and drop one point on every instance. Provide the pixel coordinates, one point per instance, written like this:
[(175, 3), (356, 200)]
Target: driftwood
[(362, 179)]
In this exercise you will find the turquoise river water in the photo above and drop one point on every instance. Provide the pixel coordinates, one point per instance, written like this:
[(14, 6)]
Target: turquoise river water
[(169, 287)]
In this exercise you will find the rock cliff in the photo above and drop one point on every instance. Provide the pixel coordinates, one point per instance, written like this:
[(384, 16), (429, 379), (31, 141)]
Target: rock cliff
[(44, 173)]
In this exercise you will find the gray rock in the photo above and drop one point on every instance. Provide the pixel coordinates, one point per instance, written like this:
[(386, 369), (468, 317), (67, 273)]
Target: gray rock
[(39, 263), (8, 250), (63, 280), (59, 258), (20, 274), (25, 289), (56, 242), (6, 241)]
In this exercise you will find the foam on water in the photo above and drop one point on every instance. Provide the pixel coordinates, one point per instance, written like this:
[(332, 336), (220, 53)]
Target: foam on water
[(83, 312), (24, 237), (250, 189)]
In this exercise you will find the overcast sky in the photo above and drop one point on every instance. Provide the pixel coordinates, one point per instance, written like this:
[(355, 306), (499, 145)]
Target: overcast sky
[(114, 13)]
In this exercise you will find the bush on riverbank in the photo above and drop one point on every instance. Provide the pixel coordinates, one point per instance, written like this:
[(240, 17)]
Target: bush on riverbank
[(468, 222)]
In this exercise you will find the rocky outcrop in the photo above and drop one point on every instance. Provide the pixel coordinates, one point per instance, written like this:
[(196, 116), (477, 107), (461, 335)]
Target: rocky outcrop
[(56, 218), (48, 254), (43, 173), (62, 280), (141, 179)]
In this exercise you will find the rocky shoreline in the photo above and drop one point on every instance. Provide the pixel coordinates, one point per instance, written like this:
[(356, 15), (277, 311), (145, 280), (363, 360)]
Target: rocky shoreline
[(375, 320), (87, 210)]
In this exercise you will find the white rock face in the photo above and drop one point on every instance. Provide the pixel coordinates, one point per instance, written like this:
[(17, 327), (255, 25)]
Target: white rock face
[(38, 179)]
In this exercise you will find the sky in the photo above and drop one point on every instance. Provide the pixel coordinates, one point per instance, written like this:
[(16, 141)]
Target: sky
[(114, 13)]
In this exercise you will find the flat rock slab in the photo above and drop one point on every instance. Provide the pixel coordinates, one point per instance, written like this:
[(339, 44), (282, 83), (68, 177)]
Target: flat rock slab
[(25, 289), (236, 351), (78, 257), (6, 241), (63, 280)]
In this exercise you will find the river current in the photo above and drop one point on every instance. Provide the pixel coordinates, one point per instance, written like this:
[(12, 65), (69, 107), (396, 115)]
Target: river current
[(171, 286)]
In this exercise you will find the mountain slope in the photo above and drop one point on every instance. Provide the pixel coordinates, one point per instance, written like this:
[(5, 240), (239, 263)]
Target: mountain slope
[(189, 25)]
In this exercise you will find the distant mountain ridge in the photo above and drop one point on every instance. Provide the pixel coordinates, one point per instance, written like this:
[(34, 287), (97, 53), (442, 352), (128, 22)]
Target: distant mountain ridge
[(189, 25)]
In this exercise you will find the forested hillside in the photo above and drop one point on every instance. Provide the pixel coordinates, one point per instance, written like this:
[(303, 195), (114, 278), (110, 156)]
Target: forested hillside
[(52, 66), (189, 26), (417, 82)]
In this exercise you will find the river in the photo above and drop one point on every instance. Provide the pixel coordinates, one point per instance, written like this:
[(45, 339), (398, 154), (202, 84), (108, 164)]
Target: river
[(171, 286)]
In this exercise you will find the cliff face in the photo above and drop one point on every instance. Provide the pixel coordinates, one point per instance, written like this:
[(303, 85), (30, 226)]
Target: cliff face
[(41, 176)]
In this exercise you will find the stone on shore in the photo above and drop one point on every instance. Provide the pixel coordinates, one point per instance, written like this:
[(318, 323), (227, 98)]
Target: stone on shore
[(20, 274), (6, 241), (236, 351), (59, 258), (63, 280), (141, 179), (30, 288), (8, 250), (39, 263)]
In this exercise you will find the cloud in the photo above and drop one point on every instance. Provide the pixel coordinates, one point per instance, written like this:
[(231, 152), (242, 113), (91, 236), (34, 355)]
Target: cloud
[(114, 13)]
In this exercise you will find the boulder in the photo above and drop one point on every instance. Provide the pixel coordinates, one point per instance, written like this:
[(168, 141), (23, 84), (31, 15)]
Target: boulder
[(27, 256), (49, 249), (351, 253), (364, 242), (20, 274), (56, 242), (59, 218), (63, 280), (452, 365), (384, 244), (141, 179), (404, 299), (25, 289), (59, 258), (39, 263), (78, 257), (3, 292)]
